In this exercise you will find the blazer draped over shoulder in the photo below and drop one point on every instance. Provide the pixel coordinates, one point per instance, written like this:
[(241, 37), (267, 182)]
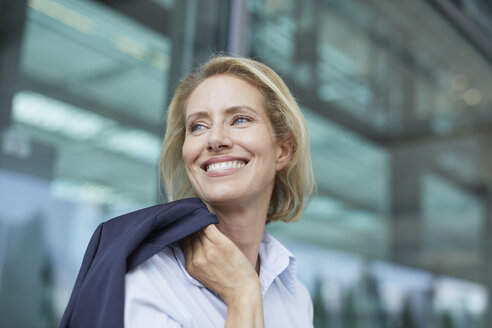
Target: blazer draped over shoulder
[(119, 245)]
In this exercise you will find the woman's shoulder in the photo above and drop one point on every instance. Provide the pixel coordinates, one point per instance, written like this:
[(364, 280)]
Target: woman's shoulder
[(158, 263), (157, 286), (302, 293), (157, 279), (166, 267)]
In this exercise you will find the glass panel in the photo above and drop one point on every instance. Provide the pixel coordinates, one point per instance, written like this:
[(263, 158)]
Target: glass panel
[(88, 119), (92, 86), (396, 100), (362, 59)]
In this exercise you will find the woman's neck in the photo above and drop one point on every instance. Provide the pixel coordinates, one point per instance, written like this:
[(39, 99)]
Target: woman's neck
[(244, 226)]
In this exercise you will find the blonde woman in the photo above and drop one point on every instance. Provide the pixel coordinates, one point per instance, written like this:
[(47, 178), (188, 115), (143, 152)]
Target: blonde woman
[(236, 140)]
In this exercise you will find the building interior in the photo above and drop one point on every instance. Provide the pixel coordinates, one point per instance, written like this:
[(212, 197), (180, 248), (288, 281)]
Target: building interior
[(398, 100)]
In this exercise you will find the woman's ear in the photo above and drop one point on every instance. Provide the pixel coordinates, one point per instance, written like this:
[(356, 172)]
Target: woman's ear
[(284, 154)]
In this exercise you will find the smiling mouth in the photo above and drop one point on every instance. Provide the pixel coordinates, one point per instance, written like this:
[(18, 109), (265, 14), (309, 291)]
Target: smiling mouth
[(237, 164)]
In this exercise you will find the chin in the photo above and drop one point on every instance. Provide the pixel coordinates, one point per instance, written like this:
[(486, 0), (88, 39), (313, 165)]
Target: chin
[(220, 199), (222, 196)]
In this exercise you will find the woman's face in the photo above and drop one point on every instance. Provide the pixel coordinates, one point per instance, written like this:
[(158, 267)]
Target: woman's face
[(230, 151)]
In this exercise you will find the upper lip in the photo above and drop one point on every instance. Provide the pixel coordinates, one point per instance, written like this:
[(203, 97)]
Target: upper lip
[(218, 159)]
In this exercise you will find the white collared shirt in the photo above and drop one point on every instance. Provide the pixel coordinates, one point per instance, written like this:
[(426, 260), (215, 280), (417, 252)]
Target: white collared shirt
[(161, 293)]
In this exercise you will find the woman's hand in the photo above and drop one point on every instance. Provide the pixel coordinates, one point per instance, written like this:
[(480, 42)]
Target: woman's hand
[(215, 261)]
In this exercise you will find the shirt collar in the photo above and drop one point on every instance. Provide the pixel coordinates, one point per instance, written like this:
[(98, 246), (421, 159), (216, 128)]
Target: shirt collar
[(275, 261)]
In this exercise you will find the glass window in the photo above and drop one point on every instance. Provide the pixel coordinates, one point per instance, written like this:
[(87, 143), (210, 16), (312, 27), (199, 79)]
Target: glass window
[(397, 99), (395, 96)]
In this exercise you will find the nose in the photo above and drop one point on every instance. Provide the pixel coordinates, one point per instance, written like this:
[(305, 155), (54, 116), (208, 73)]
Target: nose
[(218, 139)]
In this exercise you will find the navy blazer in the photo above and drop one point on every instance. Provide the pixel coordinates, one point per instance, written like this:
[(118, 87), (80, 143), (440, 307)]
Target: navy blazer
[(119, 245)]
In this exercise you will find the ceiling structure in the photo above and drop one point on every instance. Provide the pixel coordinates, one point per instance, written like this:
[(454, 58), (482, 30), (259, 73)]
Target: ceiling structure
[(412, 96)]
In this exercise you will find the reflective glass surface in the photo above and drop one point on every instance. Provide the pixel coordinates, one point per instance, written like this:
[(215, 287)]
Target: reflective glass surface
[(398, 100), (86, 124)]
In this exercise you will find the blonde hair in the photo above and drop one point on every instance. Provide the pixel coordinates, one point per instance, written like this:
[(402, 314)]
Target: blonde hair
[(294, 184)]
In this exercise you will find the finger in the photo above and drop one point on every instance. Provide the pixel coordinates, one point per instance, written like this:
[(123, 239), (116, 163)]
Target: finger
[(200, 240), (206, 240), (197, 244), (213, 234)]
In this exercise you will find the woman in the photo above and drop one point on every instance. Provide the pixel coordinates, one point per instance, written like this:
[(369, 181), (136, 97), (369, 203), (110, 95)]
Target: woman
[(236, 139)]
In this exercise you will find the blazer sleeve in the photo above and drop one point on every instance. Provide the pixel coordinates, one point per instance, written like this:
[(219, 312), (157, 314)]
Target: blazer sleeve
[(89, 256)]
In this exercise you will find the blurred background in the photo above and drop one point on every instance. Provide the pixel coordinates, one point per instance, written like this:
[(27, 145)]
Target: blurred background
[(398, 99)]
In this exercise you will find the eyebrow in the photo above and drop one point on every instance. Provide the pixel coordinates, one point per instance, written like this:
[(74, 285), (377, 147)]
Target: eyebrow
[(230, 110)]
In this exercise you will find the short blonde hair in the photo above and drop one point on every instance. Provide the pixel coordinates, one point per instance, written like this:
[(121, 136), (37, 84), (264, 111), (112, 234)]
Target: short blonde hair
[(294, 184)]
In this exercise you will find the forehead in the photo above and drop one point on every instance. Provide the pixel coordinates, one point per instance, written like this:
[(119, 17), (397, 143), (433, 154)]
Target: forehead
[(223, 91)]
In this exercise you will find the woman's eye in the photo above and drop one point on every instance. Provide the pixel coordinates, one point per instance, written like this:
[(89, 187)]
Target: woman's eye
[(241, 119), (194, 127)]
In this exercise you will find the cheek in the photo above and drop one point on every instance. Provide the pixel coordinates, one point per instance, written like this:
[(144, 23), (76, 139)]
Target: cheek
[(187, 151)]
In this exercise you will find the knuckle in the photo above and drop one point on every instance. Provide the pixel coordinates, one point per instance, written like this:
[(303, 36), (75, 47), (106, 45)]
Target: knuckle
[(198, 262), (211, 254)]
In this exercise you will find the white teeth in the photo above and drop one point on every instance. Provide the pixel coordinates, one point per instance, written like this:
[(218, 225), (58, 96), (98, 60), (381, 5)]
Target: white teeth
[(225, 166)]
